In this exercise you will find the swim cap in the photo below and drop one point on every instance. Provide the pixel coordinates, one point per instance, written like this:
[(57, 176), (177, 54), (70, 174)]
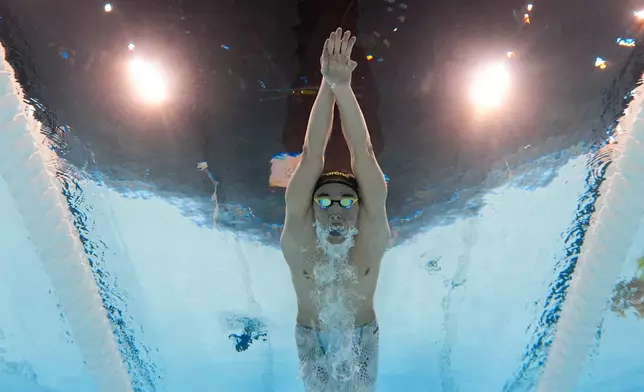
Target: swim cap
[(337, 177)]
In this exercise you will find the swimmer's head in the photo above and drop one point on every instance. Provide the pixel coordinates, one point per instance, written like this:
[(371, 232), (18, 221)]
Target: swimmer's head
[(335, 205)]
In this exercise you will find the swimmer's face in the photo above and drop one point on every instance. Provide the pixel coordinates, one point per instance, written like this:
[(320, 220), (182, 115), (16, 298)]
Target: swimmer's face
[(336, 218)]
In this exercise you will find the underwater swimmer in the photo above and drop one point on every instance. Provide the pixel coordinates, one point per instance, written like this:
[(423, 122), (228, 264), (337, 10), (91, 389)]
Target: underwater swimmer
[(336, 217)]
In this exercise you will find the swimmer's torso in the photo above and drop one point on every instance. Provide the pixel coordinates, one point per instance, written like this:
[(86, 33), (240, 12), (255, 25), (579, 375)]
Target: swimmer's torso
[(356, 291), (310, 269)]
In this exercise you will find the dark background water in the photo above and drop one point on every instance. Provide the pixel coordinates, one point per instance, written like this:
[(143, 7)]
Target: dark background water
[(224, 56)]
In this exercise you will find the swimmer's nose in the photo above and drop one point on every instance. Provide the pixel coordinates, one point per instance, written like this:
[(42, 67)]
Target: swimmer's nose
[(335, 218)]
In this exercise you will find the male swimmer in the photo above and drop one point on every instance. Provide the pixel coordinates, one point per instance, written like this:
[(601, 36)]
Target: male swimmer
[(336, 222)]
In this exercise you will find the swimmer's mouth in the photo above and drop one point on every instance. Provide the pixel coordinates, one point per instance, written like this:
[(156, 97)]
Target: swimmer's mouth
[(335, 233)]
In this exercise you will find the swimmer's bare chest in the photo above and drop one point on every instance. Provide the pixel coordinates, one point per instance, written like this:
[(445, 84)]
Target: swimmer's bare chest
[(301, 250), (356, 280)]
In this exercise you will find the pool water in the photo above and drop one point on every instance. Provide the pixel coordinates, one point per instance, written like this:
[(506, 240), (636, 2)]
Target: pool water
[(527, 282)]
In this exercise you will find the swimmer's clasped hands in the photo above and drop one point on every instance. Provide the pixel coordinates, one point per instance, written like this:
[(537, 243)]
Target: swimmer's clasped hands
[(336, 64)]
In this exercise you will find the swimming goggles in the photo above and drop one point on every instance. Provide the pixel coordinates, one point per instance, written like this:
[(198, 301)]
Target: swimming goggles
[(325, 202)]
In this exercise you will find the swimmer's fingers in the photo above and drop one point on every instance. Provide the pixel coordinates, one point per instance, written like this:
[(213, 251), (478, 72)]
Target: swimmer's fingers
[(328, 45), (325, 50), (350, 44), (337, 44), (345, 43)]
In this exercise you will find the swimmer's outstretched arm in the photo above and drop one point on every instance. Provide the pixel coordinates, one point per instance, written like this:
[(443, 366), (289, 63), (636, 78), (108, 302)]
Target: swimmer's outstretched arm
[(300, 187), (337, 68), (373, 187), (318, 129)]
